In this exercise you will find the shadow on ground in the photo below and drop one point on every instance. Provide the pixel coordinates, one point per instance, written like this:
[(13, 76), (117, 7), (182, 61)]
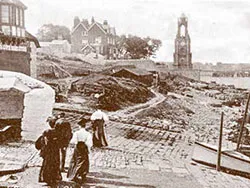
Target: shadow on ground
[(103, 180)]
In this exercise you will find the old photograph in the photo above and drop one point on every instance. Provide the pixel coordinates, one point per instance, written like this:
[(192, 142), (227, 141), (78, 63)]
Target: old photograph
[(124, 93)]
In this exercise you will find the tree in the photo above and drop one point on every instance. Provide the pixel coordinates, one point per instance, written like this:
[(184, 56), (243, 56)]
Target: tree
[(137, 47), (154, 45), (49, 32)]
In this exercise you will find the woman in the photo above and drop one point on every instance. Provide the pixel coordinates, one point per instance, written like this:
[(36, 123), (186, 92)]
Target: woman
[(79, 164), (49, 146), (98, 120)]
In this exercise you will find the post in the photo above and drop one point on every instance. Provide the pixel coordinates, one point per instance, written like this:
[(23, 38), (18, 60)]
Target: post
[(242, 125), (220, 144)]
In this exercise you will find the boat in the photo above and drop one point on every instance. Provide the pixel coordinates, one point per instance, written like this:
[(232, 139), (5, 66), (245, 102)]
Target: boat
[(231, 160)]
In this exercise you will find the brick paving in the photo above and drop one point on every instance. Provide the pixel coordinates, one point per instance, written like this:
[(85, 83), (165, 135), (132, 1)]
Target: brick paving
[(135, 148)]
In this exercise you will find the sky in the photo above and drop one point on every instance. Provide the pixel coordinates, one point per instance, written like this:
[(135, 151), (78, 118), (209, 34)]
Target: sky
[(219, 30)]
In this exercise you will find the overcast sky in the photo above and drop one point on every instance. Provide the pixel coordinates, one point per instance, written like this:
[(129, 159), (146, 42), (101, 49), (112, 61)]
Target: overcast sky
[(219, 30)]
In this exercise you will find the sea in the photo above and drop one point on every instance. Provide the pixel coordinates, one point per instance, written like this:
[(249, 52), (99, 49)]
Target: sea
[(238, 82)]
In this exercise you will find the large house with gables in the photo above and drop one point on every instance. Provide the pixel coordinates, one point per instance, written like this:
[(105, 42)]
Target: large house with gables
[(93, 37)]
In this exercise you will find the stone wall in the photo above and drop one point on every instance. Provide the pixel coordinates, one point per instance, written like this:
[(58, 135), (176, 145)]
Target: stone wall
[(16, 61), (146, 64), (189, 73)]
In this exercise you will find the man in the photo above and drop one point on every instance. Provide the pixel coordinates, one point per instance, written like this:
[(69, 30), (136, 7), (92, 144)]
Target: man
[(64, 131)]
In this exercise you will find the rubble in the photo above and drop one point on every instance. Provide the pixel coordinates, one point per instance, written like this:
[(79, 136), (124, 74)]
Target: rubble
[(112, 93)]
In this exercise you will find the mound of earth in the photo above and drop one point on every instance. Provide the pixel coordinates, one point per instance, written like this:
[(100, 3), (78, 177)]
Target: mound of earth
[(51, 66), (171, 109), (110, 93), (173, 83)]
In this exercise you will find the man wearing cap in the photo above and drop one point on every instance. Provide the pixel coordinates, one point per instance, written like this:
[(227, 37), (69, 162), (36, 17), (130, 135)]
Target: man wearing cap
[(79, 164)]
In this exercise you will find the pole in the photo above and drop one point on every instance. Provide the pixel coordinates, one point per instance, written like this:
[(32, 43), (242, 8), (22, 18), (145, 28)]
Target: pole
[(242, 125), (220, 143)]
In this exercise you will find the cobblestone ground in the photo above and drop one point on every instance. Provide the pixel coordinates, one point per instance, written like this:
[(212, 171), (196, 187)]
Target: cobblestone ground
[(139, 156)]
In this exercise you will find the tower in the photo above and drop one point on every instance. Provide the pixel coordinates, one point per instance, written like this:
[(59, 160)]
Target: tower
[(182, 54)]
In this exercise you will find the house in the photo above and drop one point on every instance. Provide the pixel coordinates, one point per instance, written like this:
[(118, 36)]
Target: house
[(55, 47), (16, 44), (94, 37), (140, 75)]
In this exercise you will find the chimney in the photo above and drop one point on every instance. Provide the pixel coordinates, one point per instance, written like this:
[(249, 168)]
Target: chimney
[(105, 25), (76, 21), (105, 22), (92, 20)]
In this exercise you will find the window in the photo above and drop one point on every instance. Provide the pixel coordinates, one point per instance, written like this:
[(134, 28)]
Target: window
[(18, 32), (14, 30), (10, 14), (5, 13), (6, 30), (85, 33), (17, 16), (98, 40), (21, 17), (13, 15)]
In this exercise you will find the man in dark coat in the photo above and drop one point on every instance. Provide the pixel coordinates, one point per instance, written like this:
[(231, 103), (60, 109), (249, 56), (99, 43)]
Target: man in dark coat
[(65, 134)]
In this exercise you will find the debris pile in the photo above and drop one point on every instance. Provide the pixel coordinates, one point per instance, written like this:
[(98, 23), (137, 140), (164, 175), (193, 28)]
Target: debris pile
[(169, 115), (112, 93), (173, 83)]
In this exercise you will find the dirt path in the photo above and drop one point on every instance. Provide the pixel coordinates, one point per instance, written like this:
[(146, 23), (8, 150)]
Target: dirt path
[(133, 110)]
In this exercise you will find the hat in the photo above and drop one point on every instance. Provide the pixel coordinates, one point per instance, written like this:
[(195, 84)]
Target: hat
[(83, 121)]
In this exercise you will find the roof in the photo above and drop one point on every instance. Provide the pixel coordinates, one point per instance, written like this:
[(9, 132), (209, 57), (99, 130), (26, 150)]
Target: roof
[(80, 24), (13, 83), (87, 45), (99, 25), (87, 27), (15, 2), (32, 38), (138, 72)]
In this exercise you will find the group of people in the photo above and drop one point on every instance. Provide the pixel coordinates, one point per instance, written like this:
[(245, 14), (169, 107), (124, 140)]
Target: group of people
[(53, 144)]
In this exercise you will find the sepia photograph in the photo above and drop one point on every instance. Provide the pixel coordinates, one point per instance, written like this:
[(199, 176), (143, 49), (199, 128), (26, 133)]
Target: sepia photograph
[(124, 93)]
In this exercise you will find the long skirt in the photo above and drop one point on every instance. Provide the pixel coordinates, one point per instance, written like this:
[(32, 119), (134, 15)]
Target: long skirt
[(99, 138), (50, 170), (79, 164)]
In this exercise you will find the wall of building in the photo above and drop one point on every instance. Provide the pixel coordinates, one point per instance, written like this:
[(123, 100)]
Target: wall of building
[(33, 62), (95, 32), (11, 104), (15, 61), (76, 40)]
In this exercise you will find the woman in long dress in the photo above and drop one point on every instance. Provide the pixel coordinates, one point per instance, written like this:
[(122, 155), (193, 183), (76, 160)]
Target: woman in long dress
[(79, 164), (49, 146), (98, 121)]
